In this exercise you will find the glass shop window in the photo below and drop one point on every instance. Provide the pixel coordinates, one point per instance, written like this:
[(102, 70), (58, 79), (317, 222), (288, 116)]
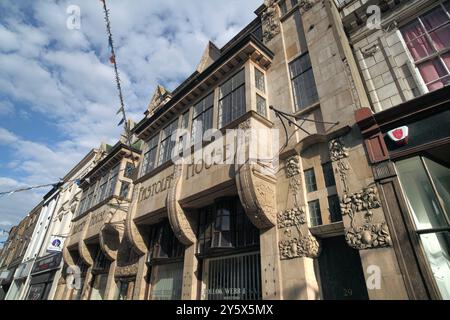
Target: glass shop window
[(225, 225), (428, 40), (426, 186), (163, 243), (232, 98)]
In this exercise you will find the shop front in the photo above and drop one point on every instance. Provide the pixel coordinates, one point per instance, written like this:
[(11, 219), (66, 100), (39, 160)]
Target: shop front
[(409, 147), (6, 278), (42, 276)]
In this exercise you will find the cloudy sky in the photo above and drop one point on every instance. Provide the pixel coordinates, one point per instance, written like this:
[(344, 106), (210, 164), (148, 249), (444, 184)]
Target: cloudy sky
[(57, 93)]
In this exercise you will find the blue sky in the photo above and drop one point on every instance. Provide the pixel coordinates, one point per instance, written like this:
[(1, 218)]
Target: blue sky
[(57, 93)]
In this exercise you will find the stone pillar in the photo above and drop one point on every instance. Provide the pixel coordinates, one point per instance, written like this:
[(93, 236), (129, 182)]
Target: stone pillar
[(270, 265), (190, 274), (365, 224), (111, 286), (140, 286)]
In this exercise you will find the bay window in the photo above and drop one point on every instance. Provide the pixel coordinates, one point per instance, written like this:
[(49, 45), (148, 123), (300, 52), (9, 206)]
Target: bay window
[(303, 83), (167, 143), (426, 186), (149, 161), (112, 181), (428, 40), (232, 98), (202, 118)]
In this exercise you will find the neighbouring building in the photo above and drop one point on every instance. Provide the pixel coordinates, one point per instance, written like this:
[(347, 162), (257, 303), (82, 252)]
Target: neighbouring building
[(47, 267), (106, 261), (5, 258), (19, 246), (405, 66)]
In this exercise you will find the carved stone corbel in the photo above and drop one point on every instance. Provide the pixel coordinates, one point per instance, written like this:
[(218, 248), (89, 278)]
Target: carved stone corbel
[(112, 232), (136, 237), (181, 225), (256, 188)]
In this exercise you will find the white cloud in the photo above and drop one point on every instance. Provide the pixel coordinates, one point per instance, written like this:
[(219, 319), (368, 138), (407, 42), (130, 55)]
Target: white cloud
[(65, 74)]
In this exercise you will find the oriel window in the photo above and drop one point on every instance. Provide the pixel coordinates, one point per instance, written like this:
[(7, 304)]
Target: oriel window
[(232, 98), (167, 143), (202, 118)]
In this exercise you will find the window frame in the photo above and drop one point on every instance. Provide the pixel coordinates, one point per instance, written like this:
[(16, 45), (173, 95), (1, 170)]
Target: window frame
[(315, 98), (232, 93), (317, 218), (426, 34), (205, 110), (307, 183)]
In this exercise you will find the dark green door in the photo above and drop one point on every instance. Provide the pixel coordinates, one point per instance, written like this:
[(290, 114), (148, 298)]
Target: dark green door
[(341, 273)]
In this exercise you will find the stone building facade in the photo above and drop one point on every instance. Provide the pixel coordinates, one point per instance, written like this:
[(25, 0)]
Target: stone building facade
[(104, 259), (268, 173), (16, 250)]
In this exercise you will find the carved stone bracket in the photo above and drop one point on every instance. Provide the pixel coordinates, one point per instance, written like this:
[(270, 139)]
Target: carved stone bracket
[(256, 187), (112, 232), (136, 236), (181, 225)]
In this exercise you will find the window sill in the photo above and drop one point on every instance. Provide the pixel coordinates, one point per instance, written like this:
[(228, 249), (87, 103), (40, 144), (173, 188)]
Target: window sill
[(307, 110)]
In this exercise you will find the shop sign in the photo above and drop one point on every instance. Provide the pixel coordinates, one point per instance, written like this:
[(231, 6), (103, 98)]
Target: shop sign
[(399, 135), (56, 244)]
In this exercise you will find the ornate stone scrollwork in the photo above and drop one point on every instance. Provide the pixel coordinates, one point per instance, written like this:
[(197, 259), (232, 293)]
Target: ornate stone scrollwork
[(306, 246), (339, 154), (256, 188), (270, 21), (180, 223), (337, 150), (293, 221), (364, 200), (305, 5), (292, 166), (367, 235), (126, 271), (294, 217)]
